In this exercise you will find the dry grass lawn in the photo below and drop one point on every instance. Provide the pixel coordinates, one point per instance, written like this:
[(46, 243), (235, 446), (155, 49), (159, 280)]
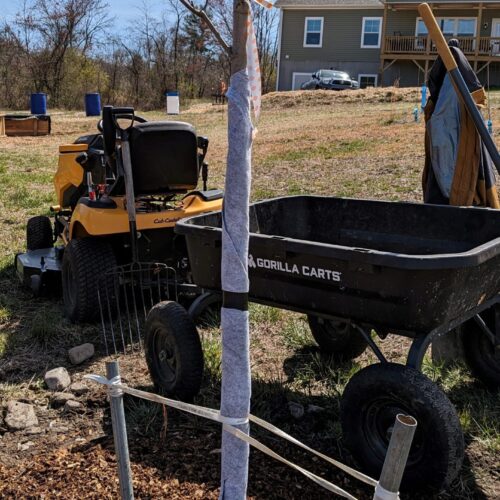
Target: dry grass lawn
[(363, 144)]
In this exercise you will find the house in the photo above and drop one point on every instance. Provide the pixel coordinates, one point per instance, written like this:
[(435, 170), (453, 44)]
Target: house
[(382, 42)]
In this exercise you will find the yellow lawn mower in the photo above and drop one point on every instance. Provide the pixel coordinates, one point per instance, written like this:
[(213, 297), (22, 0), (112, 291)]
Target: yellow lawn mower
[(120, 193)]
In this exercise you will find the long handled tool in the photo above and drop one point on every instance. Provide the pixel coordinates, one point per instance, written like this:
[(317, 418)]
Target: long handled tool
[(138, 285), (461, 88)]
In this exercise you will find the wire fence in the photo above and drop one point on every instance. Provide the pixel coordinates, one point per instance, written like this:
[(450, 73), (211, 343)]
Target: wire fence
[(386, 488)]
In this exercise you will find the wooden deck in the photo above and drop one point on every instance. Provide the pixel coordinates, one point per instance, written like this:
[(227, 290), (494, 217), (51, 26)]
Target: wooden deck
[(410, 46)]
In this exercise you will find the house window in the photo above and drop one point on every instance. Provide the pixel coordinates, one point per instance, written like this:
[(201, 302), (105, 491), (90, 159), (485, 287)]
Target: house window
[(370, 34), (466, 27), (313, 32), (367, 80), (450, 26)]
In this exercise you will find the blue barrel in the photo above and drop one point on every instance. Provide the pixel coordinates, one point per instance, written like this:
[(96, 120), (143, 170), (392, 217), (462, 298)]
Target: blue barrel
[(38, 103), (93, 104)]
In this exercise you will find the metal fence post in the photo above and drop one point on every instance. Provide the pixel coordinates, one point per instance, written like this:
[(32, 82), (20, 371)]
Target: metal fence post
[(120, 433), (395, 459)]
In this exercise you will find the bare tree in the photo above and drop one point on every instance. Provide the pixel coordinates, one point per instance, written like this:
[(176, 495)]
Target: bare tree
[(201, 12), (266, 23), (57, 27), (63, 47), (179, 15)]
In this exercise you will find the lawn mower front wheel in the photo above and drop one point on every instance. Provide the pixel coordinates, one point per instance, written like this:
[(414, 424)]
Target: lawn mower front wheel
[(372, 399), (173, 351), (85, 264), (39, 233)]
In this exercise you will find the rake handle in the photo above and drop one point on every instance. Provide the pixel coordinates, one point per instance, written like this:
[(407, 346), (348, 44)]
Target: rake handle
[(437, 36), (460, 86)]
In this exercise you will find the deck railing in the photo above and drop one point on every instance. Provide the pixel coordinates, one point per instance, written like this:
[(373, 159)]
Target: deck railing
[(399, 44)]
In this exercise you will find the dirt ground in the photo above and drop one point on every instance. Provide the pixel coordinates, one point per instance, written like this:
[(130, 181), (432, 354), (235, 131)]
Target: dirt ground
[(356, 144)]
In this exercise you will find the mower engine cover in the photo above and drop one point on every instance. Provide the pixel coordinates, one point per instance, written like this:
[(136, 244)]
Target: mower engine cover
[(164, 157)]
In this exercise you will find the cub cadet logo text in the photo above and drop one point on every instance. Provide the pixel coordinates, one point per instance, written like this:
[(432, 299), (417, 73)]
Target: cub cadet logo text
[(309, 271), (166, 221)]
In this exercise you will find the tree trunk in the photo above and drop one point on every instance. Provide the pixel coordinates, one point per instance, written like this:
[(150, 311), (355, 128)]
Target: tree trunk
[(236, 376)]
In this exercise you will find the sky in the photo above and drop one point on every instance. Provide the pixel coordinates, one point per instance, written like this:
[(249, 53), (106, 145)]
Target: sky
[(124, 11)]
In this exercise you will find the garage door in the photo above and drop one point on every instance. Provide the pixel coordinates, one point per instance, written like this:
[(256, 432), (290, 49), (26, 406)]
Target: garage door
[(299, 78)]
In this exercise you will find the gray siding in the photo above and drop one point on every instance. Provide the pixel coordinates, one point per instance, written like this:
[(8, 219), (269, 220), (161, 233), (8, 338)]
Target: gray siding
[(341, 47), (341, 35), (405, 72)]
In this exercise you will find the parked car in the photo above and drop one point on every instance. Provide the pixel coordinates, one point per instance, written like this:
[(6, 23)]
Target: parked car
[(329, 79)]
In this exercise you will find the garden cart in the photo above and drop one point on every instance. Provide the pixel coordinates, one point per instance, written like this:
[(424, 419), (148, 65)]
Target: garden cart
[(359, 266)]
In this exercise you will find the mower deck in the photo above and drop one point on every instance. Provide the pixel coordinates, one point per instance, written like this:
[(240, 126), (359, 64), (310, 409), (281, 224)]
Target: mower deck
[(36, 268)]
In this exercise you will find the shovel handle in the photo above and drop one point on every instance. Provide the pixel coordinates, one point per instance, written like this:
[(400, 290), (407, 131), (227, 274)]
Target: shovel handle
[(437, 36)]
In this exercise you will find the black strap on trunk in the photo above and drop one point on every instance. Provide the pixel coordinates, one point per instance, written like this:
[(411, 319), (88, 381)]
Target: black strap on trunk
[(234, 300)]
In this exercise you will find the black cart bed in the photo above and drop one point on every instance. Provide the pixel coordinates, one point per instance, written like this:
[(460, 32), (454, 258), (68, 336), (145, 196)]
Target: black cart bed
[(407, 267)]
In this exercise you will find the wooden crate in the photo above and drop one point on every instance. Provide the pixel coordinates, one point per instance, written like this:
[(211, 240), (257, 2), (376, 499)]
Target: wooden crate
[(24, 125)]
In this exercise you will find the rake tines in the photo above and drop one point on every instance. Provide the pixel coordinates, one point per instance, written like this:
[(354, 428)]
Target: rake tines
[(125, 295)]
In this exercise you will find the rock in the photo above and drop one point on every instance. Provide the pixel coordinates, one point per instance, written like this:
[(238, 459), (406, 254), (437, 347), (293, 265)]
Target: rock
[(60, 429), (296, 409), (60, 398), (57, 379), (314, 409), (25, 446), (55, 426), (73, 405), (81, 353), (33, 430), (20, 416), (78, 388)]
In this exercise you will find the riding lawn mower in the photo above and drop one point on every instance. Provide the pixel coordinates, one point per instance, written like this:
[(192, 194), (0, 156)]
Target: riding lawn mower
[(112, 247)]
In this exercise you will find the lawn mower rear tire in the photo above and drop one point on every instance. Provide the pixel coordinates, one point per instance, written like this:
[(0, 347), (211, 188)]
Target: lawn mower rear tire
[(338, 339), (173, 351), (372, 399), (39, 233), (85, 264)]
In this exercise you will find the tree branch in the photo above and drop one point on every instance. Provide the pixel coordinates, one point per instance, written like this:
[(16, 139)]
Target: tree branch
[(203, 15)]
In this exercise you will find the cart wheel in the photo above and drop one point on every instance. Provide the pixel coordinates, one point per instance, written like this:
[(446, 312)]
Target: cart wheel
[(370, 403), (173, 351), (84, 266), (337, 338), (481, 355), (39, 233), (205, 309)]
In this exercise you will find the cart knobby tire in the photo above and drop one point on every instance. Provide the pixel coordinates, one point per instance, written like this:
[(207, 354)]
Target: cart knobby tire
[(39, 233), (84, 267), (370, 403), (173, 351), (338, 339), (480, 353)]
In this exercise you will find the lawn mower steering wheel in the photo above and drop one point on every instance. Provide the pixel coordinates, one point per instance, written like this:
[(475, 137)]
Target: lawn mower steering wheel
[(136, 118)]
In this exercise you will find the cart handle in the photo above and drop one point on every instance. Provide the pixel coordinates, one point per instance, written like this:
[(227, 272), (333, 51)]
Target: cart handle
[(460, 86)]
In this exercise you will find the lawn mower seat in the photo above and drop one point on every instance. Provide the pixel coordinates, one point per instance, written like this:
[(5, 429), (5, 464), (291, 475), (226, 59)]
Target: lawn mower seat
[(165, 157)]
